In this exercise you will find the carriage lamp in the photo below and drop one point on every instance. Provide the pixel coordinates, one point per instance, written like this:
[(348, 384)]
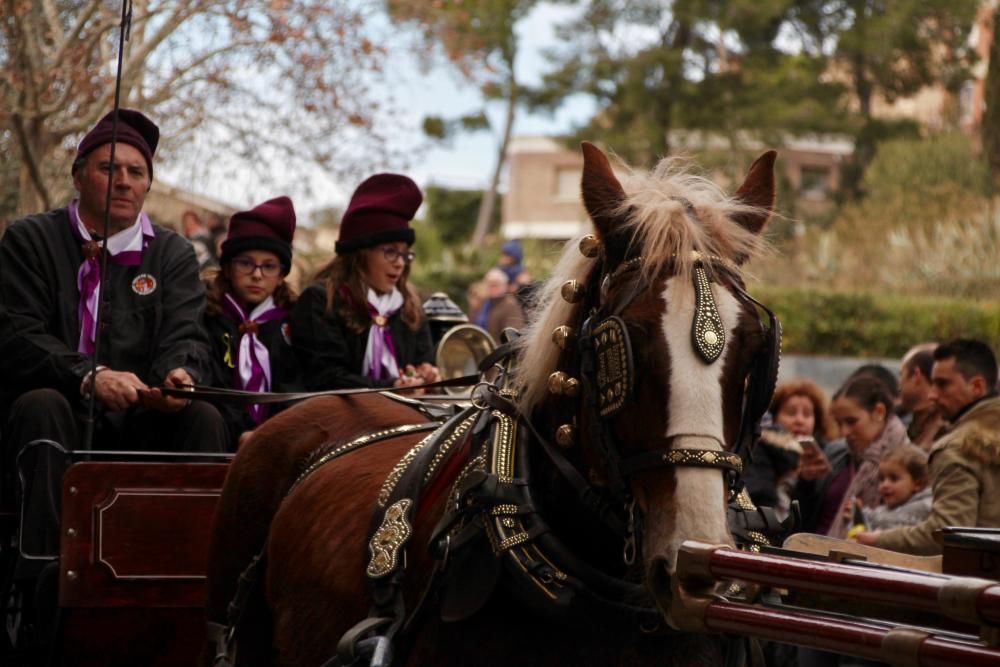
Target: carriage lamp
[(566, 436), (590, 246), (563, 336), (572, 291), (564, 385)]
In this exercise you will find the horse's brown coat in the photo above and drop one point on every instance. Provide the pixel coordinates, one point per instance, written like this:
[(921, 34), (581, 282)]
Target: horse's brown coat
[(263, 469)]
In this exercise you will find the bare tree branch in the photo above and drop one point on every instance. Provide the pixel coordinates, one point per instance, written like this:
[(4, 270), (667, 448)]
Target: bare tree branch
[(81, 20), (55, 30)]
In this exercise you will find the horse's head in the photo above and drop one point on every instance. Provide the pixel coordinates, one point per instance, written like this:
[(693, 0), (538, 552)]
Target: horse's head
[(642, 353)]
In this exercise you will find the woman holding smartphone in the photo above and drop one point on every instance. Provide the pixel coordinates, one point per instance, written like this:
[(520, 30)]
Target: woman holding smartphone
[(863, 411), (799, 419)]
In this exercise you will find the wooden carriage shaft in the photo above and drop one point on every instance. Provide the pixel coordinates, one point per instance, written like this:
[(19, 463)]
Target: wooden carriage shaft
[(840, 636), (966, 599)]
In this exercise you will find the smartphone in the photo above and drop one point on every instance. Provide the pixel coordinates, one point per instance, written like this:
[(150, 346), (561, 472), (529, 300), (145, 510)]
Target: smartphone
[(809, 445)]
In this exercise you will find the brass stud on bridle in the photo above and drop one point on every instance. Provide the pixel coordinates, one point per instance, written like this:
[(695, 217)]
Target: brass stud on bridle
[(563, 336), (572, 291), (590, 246), (566, 436), (564, 385)]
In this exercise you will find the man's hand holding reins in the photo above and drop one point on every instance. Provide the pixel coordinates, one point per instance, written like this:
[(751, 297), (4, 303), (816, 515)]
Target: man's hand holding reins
[(154, 399)]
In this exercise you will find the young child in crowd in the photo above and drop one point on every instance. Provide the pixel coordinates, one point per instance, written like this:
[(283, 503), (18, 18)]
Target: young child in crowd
[(247, 311), (902, 483)]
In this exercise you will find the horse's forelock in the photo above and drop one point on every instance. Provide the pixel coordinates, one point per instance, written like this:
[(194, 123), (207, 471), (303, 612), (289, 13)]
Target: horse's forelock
[(672, 212)]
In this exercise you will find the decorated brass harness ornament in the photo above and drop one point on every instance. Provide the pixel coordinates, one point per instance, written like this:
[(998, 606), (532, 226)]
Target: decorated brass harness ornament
[(707, 333)]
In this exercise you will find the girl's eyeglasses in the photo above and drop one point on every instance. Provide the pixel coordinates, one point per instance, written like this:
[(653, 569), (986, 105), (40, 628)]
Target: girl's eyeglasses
[(392, 253), (246, 266)]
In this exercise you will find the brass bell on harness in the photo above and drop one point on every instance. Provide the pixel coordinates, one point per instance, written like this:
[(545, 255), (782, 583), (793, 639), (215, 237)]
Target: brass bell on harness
[(590, 246), (564, 385), (566, 436), (563, 336), (572, 291)]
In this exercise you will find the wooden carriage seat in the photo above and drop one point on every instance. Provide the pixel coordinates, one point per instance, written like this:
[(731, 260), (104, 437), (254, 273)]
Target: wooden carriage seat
[(133, 555)]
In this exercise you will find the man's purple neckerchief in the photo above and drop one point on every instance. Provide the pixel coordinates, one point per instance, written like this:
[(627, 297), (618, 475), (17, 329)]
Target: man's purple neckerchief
[(125, 248)]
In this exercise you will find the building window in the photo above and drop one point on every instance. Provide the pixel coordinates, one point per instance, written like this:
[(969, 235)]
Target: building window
[(568, 183), (814, 182)]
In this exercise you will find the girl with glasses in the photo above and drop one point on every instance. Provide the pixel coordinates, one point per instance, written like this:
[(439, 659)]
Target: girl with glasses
[(248, 310), (361, 324)]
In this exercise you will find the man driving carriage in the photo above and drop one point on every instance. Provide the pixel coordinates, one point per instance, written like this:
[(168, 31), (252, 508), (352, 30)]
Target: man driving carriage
[(151, 299)]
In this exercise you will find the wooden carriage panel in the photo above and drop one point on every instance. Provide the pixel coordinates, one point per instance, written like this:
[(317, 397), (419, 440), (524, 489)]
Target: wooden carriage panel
[(136, 534), (133, 556)]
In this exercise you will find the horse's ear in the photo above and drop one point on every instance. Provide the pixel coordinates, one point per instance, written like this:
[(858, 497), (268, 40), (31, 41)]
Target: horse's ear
[(602, 193), (758, 191)]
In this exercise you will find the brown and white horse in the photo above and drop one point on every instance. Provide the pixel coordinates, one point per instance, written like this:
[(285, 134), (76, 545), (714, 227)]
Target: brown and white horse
[(665, 261)]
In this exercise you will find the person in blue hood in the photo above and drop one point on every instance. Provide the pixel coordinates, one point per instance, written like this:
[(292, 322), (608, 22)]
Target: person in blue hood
[(511, 260)]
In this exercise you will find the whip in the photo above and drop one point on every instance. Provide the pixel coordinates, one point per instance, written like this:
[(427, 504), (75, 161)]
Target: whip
[(123, 35)]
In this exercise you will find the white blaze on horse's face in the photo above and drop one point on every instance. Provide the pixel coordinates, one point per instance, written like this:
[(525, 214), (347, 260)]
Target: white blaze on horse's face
[(696, 508)]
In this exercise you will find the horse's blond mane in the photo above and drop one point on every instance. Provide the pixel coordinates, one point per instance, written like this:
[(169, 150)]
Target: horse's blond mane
[(671, 213)]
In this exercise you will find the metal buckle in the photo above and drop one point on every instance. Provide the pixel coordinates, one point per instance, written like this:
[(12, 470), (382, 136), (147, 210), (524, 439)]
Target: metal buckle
[(477, 398)]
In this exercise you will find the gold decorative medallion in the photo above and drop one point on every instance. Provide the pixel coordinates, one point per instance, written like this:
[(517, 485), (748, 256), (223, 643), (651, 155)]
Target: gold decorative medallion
[(389, 539), (707, 334), (380, 320)]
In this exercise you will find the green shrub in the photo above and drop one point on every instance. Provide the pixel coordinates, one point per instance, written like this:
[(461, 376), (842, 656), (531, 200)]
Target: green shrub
[(875, 325)]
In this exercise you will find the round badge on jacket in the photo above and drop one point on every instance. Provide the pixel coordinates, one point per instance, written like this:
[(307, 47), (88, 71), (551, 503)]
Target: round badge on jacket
[(144, 284)]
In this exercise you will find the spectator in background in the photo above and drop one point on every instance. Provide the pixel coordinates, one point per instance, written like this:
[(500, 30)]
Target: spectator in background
[(863, 410), (902, 484), (882, 374), (200, 238), (500, 309), (925, 420), (965, 461), (798, 413), (511, 262), (475, 295)]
